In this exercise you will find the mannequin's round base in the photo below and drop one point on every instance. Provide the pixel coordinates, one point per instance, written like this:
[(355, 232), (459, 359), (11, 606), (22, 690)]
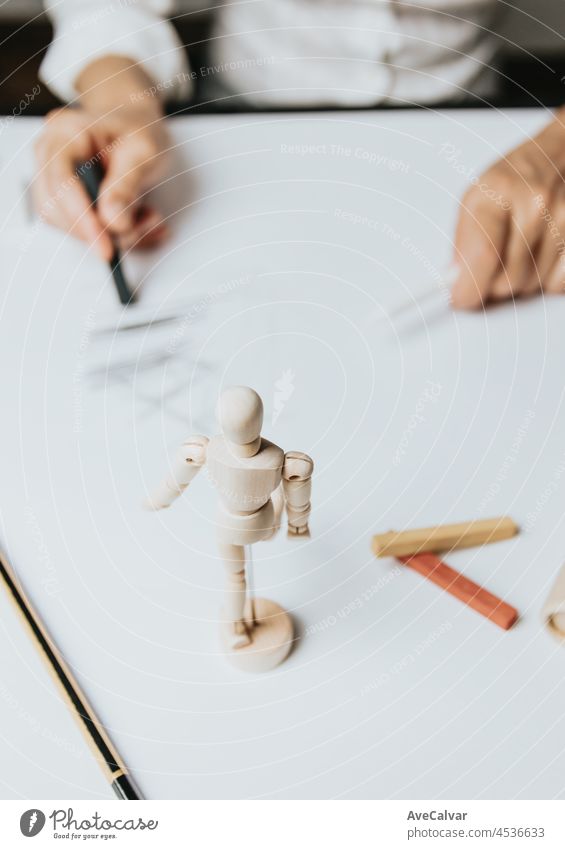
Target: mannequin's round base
[(271, 638)]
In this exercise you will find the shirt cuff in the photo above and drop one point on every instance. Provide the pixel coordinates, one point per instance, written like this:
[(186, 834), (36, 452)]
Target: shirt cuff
[(82, 37)]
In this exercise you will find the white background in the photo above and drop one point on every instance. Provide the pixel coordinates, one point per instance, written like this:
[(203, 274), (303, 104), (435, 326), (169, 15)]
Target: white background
[(394, 690)]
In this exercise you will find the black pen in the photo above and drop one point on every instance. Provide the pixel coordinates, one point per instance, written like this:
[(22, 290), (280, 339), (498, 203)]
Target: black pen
[(95, 733), (91, 175)]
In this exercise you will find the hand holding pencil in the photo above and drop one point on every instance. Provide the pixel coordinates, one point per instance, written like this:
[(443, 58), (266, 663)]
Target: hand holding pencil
[(117, 126)]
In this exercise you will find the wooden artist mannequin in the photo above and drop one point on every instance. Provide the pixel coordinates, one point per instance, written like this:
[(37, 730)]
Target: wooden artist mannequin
[(255, 479)]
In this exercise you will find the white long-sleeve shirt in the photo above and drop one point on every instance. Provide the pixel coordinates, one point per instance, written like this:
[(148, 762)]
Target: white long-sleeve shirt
[(290, 52)]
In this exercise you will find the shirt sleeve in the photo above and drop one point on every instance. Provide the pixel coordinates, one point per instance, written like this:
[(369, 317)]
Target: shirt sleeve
[(85, 30)]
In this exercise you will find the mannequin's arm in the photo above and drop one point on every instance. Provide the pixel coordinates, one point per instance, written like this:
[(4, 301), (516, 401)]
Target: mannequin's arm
[(188, 462), (297, 483)]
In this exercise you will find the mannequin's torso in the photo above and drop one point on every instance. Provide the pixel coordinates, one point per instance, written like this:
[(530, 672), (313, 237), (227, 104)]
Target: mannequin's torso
[(244, 484)]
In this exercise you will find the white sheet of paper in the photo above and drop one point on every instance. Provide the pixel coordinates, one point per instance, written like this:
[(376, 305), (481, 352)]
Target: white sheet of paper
[(293, 235)]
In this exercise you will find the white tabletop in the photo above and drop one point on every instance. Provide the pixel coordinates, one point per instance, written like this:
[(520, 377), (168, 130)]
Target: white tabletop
[(293, 237)]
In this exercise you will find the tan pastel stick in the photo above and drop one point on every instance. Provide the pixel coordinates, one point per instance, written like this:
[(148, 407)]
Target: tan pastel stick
[(480, 599), (553, 611), (443, 537)]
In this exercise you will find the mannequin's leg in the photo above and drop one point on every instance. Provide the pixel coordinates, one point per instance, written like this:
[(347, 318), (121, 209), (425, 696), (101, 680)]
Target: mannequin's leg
[(234, 562)]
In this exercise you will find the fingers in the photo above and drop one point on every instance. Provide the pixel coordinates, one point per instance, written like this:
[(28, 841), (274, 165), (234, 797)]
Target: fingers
[(507, 252), (552, 248), (535, 256), (58, 194), (131, 161), (544, 257), (554, 283), (129, 168), (148, 231), (77, 214), (480, 242), (518, 270)]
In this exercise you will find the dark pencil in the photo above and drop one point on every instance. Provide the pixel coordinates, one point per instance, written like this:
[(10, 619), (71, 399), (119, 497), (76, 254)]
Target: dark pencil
[(91, 175), (95, 733)]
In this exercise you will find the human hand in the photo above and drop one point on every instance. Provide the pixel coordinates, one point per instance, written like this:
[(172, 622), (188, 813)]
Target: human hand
[(510, 237), (128, 139)]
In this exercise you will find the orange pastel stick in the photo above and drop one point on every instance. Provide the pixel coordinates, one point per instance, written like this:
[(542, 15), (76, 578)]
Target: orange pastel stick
[(435, 570)]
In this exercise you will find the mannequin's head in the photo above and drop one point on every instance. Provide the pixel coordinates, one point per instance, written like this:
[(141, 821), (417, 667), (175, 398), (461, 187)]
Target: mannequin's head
[(240, 415)]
